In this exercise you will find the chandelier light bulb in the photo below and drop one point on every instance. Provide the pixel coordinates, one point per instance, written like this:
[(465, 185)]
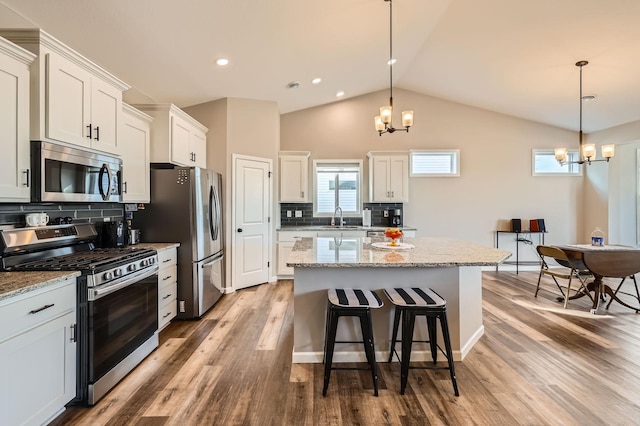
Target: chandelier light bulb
[(608, 151), (385, 114), (407, 118), (589, 151)]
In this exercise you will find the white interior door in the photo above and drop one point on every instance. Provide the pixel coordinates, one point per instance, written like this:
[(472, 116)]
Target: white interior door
[(252, 195)]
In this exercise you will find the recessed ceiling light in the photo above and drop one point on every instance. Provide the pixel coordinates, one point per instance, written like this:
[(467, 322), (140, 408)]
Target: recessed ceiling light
[(316, 80), (340, 94), (222, 62), (391, 61)]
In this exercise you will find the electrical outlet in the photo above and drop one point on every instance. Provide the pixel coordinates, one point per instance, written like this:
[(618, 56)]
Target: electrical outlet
[(288, 213), (298, 213), (385, 213)]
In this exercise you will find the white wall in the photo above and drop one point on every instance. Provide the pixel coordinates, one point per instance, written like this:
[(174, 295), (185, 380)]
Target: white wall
[(614, 206), (496, 182)]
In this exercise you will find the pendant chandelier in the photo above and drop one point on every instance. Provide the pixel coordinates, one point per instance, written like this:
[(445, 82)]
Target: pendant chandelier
[(587, 152), (383, 121)]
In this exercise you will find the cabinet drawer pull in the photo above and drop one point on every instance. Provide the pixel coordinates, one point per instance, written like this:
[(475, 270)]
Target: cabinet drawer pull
[(166, 315), (73, 333), (166, 297), (166, 278), (166, 260), (97, 133), (35, 311), (26, 173)]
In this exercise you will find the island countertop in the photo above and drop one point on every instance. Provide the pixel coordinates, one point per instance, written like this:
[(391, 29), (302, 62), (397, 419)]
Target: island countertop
[(428, 252)]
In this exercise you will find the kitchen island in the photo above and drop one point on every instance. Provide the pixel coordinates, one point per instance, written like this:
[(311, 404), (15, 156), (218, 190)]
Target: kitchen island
[(450, 267)]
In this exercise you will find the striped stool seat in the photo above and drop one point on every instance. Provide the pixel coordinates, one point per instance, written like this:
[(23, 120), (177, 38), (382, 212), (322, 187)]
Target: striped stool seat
[(354, 298), (412, 302), (350, 302), (415, 297)]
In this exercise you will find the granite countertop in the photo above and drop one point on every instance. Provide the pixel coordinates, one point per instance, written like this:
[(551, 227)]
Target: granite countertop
[(338, 228), (157, 246), (15, 283), (358, 252)]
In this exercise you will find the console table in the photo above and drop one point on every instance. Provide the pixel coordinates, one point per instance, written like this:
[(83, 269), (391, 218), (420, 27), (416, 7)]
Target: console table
[(519, 239)]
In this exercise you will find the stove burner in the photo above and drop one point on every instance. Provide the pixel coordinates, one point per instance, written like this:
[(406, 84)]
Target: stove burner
[(85, 261)]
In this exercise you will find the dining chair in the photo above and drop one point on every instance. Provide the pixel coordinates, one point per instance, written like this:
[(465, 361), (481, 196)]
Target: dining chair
[(567, 269), (637, 295)]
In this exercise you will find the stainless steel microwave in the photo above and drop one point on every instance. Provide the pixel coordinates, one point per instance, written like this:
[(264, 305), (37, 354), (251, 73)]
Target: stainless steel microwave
[(65, 174)]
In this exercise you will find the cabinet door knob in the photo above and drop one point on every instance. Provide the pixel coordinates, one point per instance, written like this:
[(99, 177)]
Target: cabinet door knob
[(239, 229)]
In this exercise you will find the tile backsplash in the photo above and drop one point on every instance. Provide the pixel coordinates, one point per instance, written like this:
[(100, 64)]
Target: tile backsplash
[(12, 215), (307, 219)]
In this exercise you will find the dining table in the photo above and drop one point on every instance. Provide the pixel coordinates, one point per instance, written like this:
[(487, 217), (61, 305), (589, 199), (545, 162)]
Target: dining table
[(610, 261)]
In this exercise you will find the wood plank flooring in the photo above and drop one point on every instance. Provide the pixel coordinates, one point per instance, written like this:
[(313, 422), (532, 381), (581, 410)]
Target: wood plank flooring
[(537, 364)]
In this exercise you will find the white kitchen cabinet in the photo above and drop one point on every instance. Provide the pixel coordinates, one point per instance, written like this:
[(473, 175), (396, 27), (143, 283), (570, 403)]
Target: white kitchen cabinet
[(388, 177), (134, 148), (176, 137), (14, 131), (73, 100), (294, 176), (286, 240), (37, 354), (167, 286)]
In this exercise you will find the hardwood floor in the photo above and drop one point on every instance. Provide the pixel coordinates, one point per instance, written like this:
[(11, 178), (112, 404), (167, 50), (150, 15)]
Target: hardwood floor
[(536, 364)]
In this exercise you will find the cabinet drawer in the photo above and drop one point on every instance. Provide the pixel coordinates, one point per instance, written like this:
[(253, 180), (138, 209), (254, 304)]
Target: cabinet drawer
[(166, 313), (168, 274), (167, 292), (43, 306), (167, 257)]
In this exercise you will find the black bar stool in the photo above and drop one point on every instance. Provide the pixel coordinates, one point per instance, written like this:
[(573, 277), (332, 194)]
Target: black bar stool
[(412, 302), (345, 302)]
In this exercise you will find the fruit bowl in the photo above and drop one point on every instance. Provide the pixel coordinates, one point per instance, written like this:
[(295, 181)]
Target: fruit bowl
[(394, 234)]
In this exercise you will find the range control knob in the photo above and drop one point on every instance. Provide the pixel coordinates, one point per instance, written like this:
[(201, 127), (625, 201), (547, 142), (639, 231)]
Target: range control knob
[(107, 275), (131, 267), (152, 261), (144, 262), (117, 272)]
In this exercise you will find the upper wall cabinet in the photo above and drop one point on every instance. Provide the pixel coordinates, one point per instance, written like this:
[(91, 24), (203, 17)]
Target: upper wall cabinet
[(73, 100), (294, 176), (135, 138), (176, 137), (14, 131), (388, 177)]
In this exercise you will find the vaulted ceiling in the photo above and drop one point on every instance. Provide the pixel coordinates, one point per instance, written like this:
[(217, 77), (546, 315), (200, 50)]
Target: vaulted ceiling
[(514, 57)]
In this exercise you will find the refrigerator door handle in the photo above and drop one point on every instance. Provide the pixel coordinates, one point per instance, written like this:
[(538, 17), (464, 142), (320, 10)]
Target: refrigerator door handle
[(216, 198), (212, 219), (211, 262)]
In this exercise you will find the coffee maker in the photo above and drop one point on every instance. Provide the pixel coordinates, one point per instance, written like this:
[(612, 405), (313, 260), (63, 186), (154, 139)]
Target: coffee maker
[(113, 234), (395, 218)]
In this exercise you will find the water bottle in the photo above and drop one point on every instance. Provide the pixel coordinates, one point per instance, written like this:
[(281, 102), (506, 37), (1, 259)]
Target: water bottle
[(597, 238)]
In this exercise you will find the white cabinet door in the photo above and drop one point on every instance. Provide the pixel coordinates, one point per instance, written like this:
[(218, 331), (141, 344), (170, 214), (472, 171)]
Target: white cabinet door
[(284, 250), (106, 112), (14, 131), (294, 178), (380, 180), (68, 102), (181, 141), (134, 148), (399, 178), (198, 147)]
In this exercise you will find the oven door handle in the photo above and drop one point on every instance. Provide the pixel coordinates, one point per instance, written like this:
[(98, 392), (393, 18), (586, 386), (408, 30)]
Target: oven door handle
[(99, 292)]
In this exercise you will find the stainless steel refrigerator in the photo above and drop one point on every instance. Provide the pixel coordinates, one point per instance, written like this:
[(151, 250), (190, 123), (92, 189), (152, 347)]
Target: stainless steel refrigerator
[(186, 208)]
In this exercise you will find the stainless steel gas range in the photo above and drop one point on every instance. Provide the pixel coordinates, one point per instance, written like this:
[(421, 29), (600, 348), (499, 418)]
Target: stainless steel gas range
[(117, 296)]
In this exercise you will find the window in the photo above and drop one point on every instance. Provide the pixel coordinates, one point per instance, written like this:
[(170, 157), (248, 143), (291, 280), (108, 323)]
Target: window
[(545, 163), (435, 163), (337, 184)]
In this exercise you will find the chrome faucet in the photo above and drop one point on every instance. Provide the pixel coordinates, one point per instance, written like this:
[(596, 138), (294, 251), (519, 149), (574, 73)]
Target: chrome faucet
[(341, 221)]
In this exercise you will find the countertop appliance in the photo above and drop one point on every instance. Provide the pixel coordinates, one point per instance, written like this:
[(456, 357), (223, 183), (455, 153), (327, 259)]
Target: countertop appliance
[(186, 208), (113, 234), (395, 219), (65, 174), (117, 298)]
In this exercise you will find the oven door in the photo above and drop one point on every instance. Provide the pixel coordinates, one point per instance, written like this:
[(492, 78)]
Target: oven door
[(120, 320), (64, 174)]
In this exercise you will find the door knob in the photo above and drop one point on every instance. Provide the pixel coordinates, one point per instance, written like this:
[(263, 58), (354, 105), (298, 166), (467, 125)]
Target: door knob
[(239, 229)]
